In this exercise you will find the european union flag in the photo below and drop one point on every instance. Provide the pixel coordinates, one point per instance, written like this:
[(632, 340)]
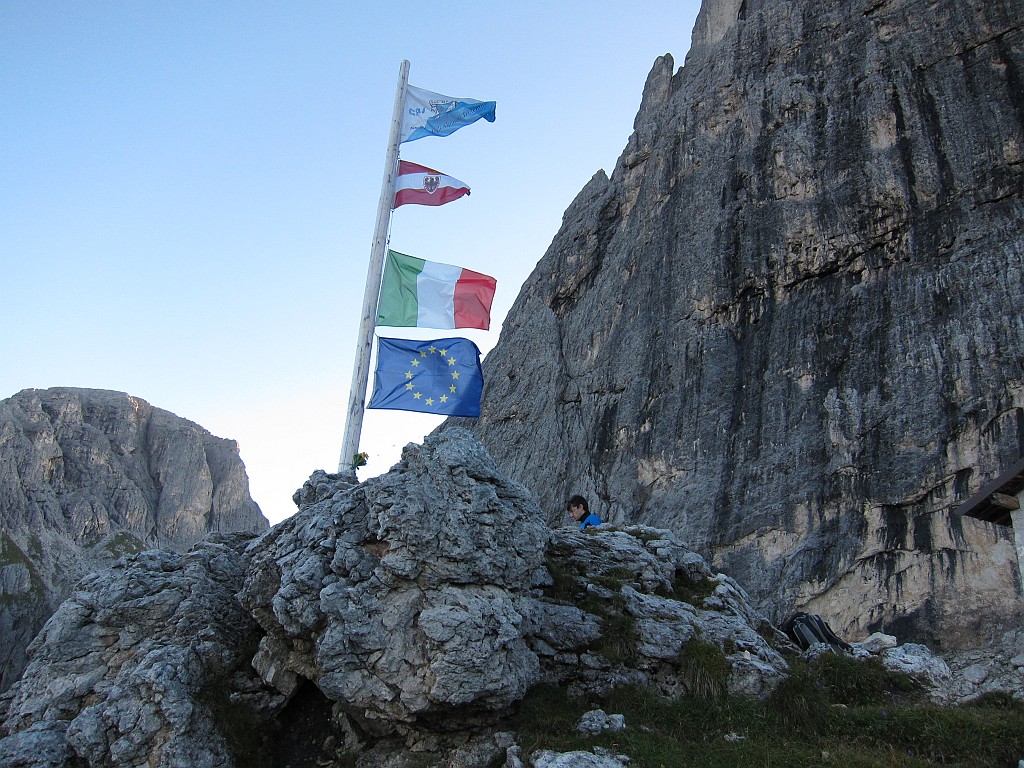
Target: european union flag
[(441, 376)]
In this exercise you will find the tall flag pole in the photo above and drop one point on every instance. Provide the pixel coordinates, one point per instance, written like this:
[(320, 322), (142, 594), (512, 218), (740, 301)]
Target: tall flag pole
[(361, 370)]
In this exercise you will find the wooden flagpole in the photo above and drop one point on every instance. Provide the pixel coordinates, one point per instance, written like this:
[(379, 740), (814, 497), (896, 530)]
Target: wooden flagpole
[(364, 344)]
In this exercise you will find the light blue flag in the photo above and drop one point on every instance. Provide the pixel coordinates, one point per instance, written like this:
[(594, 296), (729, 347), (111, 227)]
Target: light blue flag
[(431, 114)]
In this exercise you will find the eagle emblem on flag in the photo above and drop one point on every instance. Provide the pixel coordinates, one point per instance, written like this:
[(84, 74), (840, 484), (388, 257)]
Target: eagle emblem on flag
[(420, 185)]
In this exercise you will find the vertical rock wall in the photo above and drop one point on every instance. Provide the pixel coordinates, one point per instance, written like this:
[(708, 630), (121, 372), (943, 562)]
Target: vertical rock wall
[(789, 326)]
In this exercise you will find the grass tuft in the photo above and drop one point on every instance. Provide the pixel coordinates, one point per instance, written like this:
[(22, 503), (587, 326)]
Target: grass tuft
[(851, 681), (998, 700), (704, 670), (689, 589), (619, 639), (800, 703)]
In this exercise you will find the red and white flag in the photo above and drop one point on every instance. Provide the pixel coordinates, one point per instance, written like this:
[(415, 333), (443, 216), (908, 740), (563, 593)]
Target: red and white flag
[(419, 185)]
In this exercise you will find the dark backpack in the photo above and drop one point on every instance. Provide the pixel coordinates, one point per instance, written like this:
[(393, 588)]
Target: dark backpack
[(807, 629)]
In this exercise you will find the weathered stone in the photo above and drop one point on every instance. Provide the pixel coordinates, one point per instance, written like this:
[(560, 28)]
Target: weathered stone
[(918, 661), (135, 666), (87, 476), (877, 642), (403, 617), (548, 759), (995, 667), (976, 674), (406, 597), (788, 326), (598, 721), (648, 597)]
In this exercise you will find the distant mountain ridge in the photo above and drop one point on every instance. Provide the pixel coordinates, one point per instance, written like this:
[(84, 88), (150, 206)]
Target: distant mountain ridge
[(87, 475), (788, 326)]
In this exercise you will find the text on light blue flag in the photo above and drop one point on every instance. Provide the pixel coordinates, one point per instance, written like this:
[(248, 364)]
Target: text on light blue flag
[(431, 114), (441, 376)]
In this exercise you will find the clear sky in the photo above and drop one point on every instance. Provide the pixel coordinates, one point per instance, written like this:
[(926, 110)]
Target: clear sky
[(188, 191)]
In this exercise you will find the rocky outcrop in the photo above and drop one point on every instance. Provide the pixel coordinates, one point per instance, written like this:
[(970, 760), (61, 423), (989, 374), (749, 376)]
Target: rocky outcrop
[(137, 663), (87, 476), (404, 598), (788, 327), (405, 615)]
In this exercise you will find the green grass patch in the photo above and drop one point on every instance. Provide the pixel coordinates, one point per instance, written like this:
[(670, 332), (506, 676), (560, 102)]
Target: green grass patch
[(704, 670), (546, 719), (689, 589), (801, 725), (965, 735), (122, 543), (853, 682), (619, 639), (997, 700), (800, 704)]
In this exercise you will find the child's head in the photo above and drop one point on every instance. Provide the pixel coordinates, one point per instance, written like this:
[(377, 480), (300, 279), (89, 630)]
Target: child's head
[(577, 507)]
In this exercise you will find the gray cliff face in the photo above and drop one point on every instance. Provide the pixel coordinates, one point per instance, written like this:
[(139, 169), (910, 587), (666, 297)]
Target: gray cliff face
[(88, 475), (789, 325)]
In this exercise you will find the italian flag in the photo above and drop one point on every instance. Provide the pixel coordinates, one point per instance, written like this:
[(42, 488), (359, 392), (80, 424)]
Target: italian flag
[(426, 294)]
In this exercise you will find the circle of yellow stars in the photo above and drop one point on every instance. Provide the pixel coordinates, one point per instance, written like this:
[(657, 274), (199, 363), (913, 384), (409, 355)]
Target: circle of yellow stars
[(410, 385)]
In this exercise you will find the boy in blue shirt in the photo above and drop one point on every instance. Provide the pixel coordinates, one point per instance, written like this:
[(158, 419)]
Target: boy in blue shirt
[(577, 507)]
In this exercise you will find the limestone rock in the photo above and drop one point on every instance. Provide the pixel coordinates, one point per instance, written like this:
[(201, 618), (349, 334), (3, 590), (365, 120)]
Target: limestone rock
[(918, 661), (877, 642), (406, 597), (402, 618), (997, 667), (549, 759), (631, 600), (598, 721), (788, 325), (87, 476), (135, 666)]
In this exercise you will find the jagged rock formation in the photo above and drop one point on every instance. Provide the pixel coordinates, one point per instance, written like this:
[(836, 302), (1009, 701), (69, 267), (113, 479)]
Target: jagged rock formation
[(407, 613), (789, 325), (405, 598), (133, 664), (89, 475)]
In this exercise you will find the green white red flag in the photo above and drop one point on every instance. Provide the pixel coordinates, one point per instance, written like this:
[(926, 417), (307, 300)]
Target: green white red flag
[(427, 294)]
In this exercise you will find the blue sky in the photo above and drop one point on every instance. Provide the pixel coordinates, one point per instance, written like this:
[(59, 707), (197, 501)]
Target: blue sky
[(188, 191)]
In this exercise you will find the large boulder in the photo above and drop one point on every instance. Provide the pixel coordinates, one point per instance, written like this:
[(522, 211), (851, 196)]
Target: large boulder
[(405, 597)]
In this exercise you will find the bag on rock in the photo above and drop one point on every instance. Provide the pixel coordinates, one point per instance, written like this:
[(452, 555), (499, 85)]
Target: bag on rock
[(807, 629)]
